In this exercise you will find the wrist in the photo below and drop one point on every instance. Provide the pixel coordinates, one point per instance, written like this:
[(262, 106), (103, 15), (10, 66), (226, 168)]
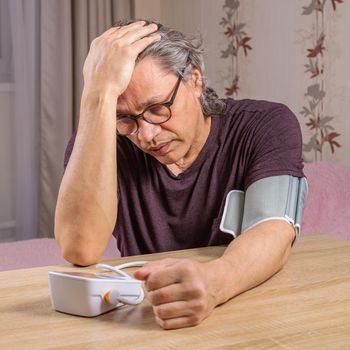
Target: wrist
[(96, 103), (102, 88), (218, 272), (97, 106), (93, 98)]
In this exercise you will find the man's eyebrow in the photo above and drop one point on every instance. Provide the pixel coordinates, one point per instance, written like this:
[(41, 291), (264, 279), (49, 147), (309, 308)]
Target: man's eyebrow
[(150, 101)]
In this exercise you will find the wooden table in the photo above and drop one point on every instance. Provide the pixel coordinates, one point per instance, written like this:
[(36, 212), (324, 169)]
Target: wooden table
[(305, 306)]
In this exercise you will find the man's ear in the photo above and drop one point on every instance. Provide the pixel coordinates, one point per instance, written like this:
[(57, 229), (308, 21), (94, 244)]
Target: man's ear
[(196, 81)]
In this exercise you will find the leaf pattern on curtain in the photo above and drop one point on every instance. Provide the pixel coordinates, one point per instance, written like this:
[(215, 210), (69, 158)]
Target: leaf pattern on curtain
[(318, 122), (238, 40)]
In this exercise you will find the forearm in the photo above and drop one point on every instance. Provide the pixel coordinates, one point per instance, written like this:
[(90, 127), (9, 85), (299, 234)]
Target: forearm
[(87, 201), (251, 259)]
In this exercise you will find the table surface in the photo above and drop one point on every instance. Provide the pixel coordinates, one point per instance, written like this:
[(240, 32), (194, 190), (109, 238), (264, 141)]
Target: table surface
[(304, 306)]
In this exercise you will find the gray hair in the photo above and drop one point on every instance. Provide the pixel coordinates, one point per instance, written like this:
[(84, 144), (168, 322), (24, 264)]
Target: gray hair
[(179, 54)]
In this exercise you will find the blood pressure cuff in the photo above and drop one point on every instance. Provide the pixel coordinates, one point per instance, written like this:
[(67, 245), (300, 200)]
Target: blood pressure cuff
[(276, 197)]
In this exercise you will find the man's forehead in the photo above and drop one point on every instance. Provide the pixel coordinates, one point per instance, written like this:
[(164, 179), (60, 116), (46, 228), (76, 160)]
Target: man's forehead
[(149, 68), (149, 85)]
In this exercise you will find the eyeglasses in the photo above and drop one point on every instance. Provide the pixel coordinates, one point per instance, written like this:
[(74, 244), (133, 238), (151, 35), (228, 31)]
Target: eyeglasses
[(156, 114)]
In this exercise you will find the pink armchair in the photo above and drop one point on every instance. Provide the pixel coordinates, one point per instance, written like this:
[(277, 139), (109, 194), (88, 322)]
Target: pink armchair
[(327, 208), (39, 252)]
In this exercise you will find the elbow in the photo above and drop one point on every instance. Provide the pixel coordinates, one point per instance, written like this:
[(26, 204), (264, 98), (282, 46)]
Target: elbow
[(286, 253), (78, 251), (79, 257), (283, 261)]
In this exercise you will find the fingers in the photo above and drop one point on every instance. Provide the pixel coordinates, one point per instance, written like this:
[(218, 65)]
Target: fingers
[(181, 313), (141, 44), (152, 267), (172, 310), (162, 278), (177, 291), (112, 57), (174, 317), (120, 31), (130, 33), (134, 37), (180, 309), (174, 272), (137, 33), (176, 323), (124, 29), (170, 293)]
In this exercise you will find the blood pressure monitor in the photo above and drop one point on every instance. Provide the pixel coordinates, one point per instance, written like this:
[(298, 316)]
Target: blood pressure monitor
[(91, 294)]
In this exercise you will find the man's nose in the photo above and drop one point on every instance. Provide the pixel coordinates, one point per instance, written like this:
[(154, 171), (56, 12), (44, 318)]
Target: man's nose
[(147, 131)]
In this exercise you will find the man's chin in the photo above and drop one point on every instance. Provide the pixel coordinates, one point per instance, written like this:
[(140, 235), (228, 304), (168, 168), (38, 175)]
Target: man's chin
[(166, 160)]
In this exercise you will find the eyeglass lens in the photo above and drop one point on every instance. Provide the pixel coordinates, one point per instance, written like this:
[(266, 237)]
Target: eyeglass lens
[(154, 114)]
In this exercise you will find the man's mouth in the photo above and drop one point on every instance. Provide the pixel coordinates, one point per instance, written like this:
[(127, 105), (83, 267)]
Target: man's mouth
[(160, 150)]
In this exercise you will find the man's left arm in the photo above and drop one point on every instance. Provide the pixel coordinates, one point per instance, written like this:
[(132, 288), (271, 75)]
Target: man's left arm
[(184, 292)]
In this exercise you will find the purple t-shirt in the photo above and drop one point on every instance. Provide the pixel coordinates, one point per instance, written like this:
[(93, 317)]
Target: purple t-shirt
[(158, 211)]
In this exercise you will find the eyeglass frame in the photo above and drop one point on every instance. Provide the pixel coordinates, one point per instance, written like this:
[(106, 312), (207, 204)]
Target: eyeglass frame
[(167, 104)]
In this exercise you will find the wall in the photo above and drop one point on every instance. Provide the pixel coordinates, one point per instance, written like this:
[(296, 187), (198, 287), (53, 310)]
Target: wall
[(275, 66), (7, 189)]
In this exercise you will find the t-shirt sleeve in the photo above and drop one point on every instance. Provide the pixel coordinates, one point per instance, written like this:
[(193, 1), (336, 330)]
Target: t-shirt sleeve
[(68, 151), (276, 145)]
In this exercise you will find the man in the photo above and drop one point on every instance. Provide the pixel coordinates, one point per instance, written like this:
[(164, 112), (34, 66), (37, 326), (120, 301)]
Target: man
[(155, 155)]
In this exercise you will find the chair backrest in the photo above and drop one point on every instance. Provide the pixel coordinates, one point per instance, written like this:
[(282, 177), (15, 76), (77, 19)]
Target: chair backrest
[(327, 208)]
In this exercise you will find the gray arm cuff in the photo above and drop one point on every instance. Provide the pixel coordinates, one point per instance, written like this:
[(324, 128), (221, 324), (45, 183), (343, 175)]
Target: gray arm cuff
[(276, 197)]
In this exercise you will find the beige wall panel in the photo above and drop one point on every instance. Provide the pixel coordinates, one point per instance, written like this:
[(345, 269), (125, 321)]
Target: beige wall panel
[(147, 9), (275, 67)]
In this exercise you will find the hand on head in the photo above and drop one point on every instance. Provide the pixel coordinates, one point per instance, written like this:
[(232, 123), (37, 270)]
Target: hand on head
[(111, 59)]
